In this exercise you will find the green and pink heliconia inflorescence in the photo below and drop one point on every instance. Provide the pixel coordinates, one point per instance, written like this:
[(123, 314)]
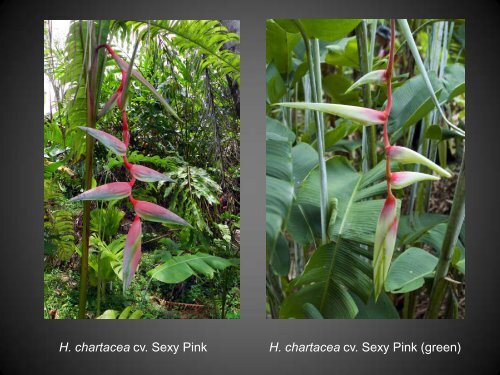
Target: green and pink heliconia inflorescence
[(118, 190), (387, 225)]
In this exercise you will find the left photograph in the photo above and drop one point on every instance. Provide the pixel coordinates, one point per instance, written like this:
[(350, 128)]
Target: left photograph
[(141, 169)]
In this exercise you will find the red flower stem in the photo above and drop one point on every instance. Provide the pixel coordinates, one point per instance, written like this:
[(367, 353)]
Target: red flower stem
[(387, 111), (121, 105)]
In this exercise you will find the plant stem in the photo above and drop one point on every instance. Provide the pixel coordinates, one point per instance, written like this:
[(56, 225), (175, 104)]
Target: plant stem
[(455, 222), (89, 152), (314, 66), (369, 133)]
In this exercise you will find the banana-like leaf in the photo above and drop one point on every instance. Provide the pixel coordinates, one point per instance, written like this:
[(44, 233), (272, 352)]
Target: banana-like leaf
[(125, 314), (114, 190), (153, 212), (279, 188), (340, 269), (108, 140), (429, 229), (412, 101), (179, 268), (147, 174), (311, 311), (362, 115), (408, 271), (383, 308), (132, 252)]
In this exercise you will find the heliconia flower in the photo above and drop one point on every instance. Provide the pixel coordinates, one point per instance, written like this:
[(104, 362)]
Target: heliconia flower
[(365, 116), (400, 180), (385, 240), (377, 76), (405, 156), (132, 252), (109, 104), (114, 190), (147, 174), (153, 212), (109, 141)]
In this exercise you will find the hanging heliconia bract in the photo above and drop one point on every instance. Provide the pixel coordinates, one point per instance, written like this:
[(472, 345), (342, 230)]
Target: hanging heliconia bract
[(387, 225), (118, 190)]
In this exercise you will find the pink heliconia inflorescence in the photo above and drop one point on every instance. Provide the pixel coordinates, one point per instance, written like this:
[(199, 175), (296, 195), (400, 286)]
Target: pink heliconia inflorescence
[(385, 239), (118, 190), (153, 212), (387, 226), (400, 180), (111, 191), (147, 174), (109, 141), (132, 252)]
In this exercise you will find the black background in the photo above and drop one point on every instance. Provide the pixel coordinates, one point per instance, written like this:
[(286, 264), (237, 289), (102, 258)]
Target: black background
[(29, 344)]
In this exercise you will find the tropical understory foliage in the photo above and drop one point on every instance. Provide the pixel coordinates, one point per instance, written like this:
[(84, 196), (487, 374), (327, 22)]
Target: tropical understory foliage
[(365, 171), (155, 103)]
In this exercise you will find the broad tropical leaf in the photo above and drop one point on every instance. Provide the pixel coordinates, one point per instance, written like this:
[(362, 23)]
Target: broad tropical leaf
[(179, 268), (279, 186), (408, 270), (340, 269)]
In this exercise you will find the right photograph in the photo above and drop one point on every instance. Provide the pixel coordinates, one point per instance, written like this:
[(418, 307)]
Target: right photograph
[(365, 168)]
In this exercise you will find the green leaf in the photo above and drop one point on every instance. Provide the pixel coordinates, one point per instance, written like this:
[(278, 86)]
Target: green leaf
[(382, 309), (279, 46), (324, 29), (454, 80), (304, 158), (274, 84), (279, 181), (311, 311), (405, 29), (342, 182), (411, 102), (279, 258), (339, 268), (125, 313), (407, 272), (179, 268), (343, 53), (336, 85), (109, 314)]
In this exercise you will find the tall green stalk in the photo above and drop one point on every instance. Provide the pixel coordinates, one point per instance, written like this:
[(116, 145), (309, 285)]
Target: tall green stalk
[(369, 133), (89, 152), (455, 222), (93, 68), (314, 66)]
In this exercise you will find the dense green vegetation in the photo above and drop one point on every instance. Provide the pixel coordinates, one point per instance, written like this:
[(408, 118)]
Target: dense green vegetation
[(365, 171), (184, 124)]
